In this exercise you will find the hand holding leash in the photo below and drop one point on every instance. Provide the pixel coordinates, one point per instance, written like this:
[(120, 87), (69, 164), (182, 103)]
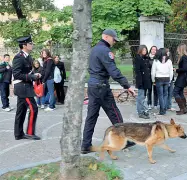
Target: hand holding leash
[(131, 91)]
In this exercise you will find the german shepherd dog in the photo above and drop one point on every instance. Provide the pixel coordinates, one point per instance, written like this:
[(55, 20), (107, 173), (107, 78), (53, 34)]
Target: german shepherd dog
[(148, 134)]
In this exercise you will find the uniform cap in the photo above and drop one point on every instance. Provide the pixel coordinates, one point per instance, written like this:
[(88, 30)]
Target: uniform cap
[(112, 33), (25, 39)]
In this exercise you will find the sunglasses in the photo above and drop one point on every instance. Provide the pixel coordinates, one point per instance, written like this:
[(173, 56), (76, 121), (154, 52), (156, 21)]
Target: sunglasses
[(31, 43)]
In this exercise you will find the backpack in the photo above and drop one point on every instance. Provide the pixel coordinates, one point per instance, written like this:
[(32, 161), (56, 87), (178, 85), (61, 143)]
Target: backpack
[(57, 75)]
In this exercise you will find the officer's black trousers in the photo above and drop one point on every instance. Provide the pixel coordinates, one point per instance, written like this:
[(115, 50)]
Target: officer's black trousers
[(99, 96), (22, 105)]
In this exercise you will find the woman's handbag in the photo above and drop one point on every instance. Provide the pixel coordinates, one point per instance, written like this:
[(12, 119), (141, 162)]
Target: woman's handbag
[(39, 88)]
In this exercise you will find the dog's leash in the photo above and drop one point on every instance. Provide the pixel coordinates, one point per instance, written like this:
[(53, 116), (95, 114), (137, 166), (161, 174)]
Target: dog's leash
[(119, 100), (127, 97)]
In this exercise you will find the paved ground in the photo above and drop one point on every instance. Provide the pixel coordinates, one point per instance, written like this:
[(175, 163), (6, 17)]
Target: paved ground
[(134, 164)]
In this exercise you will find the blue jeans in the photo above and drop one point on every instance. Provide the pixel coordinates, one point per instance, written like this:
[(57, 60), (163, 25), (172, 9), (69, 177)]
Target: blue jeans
[(162, 90), (140, 102), (40, 100), (170, 95), (50, 87), (4, 89)]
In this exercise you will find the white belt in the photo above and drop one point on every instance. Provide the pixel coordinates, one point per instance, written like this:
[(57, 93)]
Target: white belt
[(16, 81)]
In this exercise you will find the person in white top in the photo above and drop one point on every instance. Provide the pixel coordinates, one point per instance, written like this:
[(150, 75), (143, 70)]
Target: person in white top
[(162, 75)]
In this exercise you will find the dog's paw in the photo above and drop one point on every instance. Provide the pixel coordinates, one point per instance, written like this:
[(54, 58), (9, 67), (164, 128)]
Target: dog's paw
[(114, 157), (126, 150), (152, 161), (172, 151)]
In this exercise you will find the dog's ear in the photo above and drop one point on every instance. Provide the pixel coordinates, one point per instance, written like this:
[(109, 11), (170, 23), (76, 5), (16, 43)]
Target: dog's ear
[(178, 127), (172, 121)]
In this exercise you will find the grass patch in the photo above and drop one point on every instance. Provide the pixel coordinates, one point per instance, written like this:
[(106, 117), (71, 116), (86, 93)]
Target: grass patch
[(45, 172), (111, 171), (95, 170), (126, 70)]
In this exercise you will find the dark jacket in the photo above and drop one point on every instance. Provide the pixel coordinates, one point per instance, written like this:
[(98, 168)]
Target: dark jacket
[(102, 64), (37, 70), (143, 73), (6, 74), (181, 80), (61, 66), (22, 68), (2, 71), (48, 70)]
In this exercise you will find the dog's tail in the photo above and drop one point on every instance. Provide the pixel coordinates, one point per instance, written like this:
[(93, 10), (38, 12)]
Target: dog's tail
[(105, 141)]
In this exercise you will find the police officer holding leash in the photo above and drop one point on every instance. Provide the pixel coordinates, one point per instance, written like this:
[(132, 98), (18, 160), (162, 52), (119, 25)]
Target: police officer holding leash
[(23, 88), (101, 67)]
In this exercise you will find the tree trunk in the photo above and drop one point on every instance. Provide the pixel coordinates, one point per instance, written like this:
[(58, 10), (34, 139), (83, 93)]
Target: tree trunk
[(72, 117), (17, 6)]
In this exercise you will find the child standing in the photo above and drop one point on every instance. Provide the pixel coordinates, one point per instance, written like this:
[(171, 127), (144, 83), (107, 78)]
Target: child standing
[(38, 69)]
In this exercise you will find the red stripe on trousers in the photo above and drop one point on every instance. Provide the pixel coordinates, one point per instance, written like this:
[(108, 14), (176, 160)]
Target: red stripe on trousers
[(31, 118), (116, 113)]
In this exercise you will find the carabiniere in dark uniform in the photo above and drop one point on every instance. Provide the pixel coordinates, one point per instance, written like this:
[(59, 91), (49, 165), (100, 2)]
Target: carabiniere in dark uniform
[(23, 88)]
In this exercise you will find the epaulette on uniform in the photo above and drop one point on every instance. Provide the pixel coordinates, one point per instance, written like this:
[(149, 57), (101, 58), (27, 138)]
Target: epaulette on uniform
[(20, 54)]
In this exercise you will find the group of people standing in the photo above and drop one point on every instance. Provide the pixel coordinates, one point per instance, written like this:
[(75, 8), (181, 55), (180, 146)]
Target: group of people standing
[(154, 71), (46, 68)]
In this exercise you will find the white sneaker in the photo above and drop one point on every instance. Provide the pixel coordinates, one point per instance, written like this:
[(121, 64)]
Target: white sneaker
[(149, 107), (7, 109), (11, 108), (49, 109), (42, 106), (172, 109), (155, 107)]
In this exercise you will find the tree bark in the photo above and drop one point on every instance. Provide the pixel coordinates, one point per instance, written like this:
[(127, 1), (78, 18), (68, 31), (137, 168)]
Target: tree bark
[(72, 115), (17, 6)]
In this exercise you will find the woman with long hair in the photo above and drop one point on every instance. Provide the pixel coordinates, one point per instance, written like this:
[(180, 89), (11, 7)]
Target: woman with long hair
[(181, 80), (162, 75), (143, 80), (48, 77), (59, 86)]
